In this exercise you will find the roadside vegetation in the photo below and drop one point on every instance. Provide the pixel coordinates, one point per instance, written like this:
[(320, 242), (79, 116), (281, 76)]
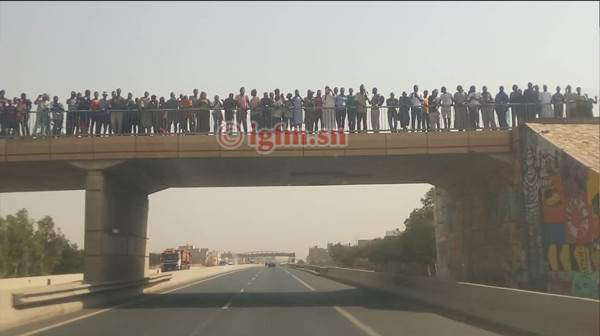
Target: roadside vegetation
[(32, 248), (411, 251)]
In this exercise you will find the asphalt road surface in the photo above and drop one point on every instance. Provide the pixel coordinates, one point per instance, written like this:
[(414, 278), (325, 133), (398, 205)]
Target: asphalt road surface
[(264, 301)]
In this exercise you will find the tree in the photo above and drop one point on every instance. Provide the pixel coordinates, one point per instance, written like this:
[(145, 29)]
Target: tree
[(30, 248), (413, 246)]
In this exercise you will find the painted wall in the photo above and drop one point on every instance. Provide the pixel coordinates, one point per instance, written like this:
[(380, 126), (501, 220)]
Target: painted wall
[(563, 212), (532, 224)]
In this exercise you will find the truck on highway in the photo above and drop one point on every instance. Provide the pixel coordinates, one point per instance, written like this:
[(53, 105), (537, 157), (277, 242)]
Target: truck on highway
[(175, 259)]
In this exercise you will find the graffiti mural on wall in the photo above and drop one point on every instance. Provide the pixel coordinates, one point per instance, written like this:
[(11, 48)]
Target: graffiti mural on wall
[(531, 191), (567, 196)]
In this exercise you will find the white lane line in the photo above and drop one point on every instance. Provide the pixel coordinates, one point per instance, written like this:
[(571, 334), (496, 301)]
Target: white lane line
[(365, 328), (249, 282), (302, 282), (241, 290), (226, 306), (56, 325)]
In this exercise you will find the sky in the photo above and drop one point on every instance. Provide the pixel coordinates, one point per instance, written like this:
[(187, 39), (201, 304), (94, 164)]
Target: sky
[(165, 47)]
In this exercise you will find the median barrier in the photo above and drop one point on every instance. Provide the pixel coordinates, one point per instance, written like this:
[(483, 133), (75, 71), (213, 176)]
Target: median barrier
[(528, 311), (20, 306)]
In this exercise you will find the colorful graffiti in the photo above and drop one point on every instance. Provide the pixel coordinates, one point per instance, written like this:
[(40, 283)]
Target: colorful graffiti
[(570, 226), (537, 228)]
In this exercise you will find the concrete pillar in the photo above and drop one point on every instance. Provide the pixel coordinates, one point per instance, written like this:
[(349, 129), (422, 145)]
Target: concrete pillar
[(116, 224)]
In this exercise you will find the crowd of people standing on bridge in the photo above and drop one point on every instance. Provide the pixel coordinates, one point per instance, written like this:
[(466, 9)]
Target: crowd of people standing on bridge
[(90, 114)]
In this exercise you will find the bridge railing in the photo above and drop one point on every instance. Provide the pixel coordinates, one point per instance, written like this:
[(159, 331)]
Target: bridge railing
[(163, 121)]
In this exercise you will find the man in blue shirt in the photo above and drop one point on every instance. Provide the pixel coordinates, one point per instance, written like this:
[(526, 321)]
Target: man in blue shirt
[(501, 108), (340, 109)]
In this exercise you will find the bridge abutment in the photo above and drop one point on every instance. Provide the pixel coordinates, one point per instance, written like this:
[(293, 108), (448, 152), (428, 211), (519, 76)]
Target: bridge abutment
[(116, 225)]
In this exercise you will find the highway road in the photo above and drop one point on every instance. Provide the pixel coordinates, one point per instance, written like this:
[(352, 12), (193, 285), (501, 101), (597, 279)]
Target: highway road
[(264, 301)]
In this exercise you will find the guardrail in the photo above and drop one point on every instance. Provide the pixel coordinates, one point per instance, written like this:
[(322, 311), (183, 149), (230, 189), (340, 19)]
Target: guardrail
[(169, 121), (39, 296), (532, 312)]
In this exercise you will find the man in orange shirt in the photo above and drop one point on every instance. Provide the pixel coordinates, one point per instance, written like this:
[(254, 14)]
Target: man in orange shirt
[(242, 111)]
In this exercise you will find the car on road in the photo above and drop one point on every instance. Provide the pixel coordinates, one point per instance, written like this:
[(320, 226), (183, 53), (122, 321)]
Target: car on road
[(270, 264), (222, 263)]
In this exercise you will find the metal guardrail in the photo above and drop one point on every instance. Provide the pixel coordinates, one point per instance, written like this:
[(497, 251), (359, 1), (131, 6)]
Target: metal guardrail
[(163, 121), (37, 296)]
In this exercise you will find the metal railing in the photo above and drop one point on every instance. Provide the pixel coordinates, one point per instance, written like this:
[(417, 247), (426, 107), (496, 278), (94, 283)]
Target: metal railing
[(186, 121)]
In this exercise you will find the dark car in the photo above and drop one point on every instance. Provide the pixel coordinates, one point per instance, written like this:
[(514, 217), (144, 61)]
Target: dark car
[(271, 264)]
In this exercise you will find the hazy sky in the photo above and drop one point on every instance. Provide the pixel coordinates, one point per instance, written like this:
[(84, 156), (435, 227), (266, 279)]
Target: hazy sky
[(218, 47)]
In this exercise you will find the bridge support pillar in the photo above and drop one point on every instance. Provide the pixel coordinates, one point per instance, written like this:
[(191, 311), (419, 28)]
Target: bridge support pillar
[(116, 224)]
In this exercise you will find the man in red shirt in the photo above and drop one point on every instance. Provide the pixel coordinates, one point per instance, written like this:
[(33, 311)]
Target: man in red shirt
[(242, 102)]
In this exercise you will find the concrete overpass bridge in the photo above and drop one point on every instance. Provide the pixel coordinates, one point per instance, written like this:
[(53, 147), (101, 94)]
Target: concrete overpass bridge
[(482, 178)]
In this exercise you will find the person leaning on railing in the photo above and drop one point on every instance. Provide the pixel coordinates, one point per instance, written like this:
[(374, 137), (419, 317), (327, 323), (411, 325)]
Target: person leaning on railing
[(501, 108), (404, 104), (434, 114), (487, 109), (558, 99), (58, 116)]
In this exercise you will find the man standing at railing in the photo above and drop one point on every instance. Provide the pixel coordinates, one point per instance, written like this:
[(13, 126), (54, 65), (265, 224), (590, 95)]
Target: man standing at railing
[(129, 116), (172, 114), (558, 99), (85, 106), (309, 112), (318, 116), (392, 112), (58, 116), (474, 101), (415, 111), (487, 110), (434, 114), (571, 104), (376, 101), (351, 106), (340, 109), (545, 100), (404, 104), (581, 103), (530, 99), (446, 103), (362, 99), (116, 114), (265, 104), (517, 109), (102, 113), (145, 114), (71, 114), (229, 104), (242, 113), (42, 120), (425, 111), (501, 108), (461, 116), (255, 116)]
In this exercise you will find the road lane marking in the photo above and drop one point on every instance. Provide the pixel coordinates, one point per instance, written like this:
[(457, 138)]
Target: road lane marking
[(241, 290), (249, 282), (226, 306), (302, 282), (365, 328), (56, 325)]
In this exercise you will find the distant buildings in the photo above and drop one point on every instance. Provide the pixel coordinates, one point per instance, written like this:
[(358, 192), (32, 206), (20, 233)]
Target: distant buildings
[(195, 253), (318, 256), (362, 242)]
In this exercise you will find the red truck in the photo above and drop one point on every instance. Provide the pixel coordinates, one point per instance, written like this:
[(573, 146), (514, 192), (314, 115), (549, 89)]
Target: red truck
[(173, 259)]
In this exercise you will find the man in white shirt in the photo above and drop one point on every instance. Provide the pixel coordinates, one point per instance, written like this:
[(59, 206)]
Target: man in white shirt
[(415, 110), (545, 100), (446, 103), (474, 101)]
